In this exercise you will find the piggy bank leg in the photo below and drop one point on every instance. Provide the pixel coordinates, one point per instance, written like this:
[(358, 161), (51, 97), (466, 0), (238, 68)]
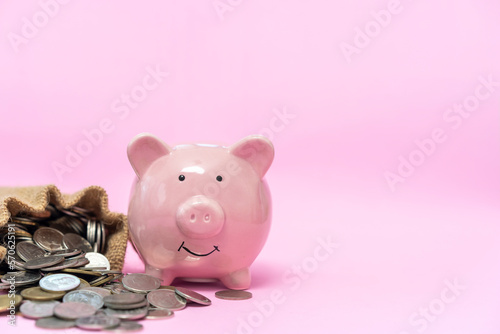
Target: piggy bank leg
[(166, 276), (237, 280)]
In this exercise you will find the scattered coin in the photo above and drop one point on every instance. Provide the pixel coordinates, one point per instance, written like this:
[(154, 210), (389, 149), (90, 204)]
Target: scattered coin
[(77, 271), (73, 310), (126, 327), (102, 280), (36, 293), (38, 309), (85, 296), (82, 211), (134, 314), (233, 294), (5, 301), (66, 252), (119, 289), (82, 261), (21, 277), (54, 323), (97, 322), (101, 291), (42, 262), (166, 299), (59, 282), (159, 313), (97, 260), (73, 240), (140, 282), (127, 306), (62, 265), (49, 238), (69, 212), (83, 283), (29, 251), (125, 298), (193, 296), (74, 272)]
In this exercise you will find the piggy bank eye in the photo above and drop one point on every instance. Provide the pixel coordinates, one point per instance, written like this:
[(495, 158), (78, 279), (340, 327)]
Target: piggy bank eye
[(219, 178), (182, 177)]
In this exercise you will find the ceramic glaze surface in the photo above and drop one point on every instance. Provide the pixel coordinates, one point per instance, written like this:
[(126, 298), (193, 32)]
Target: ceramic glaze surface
[(200, 211)]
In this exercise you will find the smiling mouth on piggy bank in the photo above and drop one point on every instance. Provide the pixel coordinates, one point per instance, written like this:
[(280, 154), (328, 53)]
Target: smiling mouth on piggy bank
[(216, 248)]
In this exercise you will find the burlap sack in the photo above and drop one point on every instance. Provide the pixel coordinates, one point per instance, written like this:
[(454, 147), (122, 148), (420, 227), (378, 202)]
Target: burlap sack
[(94, 198)]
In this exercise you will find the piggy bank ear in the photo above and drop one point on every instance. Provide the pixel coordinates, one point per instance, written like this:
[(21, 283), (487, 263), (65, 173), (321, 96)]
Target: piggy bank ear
[(257, 150), (143, 150)]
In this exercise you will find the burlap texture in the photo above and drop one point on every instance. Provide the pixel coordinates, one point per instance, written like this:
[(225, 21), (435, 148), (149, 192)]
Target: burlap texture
[(94, 198)]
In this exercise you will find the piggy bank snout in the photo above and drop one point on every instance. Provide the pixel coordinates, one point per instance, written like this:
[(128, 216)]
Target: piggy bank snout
[(200, 217)]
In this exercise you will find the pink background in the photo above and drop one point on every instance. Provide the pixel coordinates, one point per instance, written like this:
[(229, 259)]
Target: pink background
[(350, 119)]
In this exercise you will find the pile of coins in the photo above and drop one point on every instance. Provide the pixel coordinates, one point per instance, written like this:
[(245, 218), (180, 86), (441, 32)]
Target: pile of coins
[(61, 278)]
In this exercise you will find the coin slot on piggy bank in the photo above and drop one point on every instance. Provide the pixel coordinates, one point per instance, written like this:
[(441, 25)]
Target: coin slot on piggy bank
[(199, 211)]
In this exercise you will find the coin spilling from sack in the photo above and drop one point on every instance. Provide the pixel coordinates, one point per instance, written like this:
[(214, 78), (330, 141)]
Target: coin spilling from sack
[(58, 269)]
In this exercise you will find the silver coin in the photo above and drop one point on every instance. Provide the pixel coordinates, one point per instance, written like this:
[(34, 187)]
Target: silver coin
[(166, 299), (103, 237), (82, 211), (4, 286), (73, 310), (71, 263), (54, 323), (18, 263), (85, 296), (66, 252), (22, 277), (193, 296), (104, 271), (24, 219), (140, 282), (101, 291), (48, 238), (127, 306), (62, 224), (126, 327), (97, 322), (100, 313), (119, 289), (28, 250), (98, 238), (76, 224), (159, 313), (134, 314), (91, 232), (42, 262), (73, 240), (82, 261), (68, 212), (233, 294), (59, 282), (97, 260), (124, 298), (38, 309)]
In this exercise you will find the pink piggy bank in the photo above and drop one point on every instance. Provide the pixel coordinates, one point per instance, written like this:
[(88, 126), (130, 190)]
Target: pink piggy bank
[(200, 212)]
